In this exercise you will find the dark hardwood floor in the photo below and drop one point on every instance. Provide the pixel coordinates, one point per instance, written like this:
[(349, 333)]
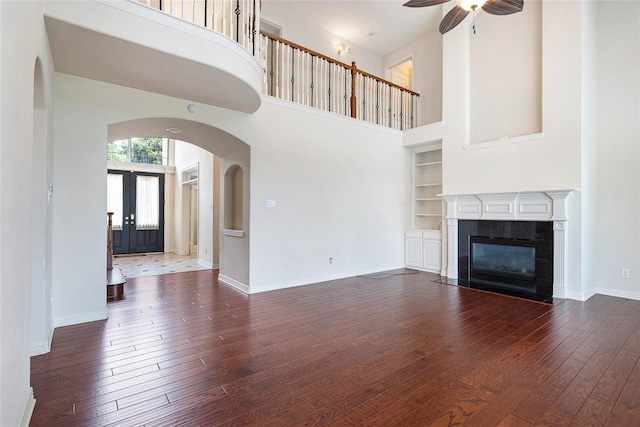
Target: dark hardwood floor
[(394, 350)]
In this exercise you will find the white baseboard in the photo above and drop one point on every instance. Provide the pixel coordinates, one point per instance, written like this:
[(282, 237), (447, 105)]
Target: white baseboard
[(616, 293), (205, 264), (42, 347), (91, 316), (319, 279), (28, 410), (229, 281), (612, 292)]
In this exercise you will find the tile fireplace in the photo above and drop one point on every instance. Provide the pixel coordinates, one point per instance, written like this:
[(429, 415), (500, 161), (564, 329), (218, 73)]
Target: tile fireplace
[(511, 243)]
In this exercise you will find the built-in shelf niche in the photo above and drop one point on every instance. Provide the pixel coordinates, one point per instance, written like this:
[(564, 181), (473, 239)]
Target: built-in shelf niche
[(427, 186)]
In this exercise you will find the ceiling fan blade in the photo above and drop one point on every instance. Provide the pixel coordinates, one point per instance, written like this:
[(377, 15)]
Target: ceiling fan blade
[(423, 3), (453, 18), (503, 7)]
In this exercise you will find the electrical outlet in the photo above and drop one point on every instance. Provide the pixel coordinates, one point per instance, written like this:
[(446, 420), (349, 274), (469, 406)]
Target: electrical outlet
[(330, 260), (624, 273)]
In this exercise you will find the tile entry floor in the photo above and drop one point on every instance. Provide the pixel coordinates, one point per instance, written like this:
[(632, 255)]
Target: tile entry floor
[(154, 264)]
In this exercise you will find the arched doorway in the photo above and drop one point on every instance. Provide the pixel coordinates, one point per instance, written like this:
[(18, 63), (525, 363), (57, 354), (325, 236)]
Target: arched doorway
[(212, 247)]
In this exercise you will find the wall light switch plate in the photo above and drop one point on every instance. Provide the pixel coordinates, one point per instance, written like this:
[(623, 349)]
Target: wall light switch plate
[(270, 203)]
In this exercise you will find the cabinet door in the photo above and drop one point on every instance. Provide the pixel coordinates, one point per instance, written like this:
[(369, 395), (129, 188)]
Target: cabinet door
[(413, 252), (431, 253)]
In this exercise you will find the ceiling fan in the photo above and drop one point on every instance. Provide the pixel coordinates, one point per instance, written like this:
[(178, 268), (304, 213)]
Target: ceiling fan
[(463, 7)]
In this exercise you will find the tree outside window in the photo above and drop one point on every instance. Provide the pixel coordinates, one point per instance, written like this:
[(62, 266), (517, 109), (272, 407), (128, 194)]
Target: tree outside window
[(147, 150)]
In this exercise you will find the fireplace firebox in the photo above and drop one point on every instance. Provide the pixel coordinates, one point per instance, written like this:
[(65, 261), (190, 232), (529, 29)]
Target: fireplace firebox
[(509, 257), (502, 261)]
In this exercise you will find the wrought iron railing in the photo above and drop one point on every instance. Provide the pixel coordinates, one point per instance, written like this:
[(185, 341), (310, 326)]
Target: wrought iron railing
[(300, 75), (236, 19)]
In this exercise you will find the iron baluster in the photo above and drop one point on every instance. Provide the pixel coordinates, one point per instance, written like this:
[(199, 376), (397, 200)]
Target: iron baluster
[(312, 80), (293, 70)]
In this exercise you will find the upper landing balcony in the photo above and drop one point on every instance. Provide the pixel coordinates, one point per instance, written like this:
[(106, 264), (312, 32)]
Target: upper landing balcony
[(214, 53), (133, 45)]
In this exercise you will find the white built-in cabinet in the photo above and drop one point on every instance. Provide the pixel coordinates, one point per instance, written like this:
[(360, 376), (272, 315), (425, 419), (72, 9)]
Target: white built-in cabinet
[(423, 242), (422, 249)]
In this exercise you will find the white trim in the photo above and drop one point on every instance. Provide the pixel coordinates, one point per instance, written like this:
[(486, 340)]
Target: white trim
[(205, 264), (42, 347), (140, 167), (318, 280), (328, 114), (232, 282), (28, 410), (612, 292), (423, 136), (388, 69), (233, 233), (547, 205), (185, 170), (90, 316), (503, 141)]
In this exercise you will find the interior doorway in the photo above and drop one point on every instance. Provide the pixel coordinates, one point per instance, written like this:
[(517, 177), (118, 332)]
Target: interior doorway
[(193, 219), (402, 74)]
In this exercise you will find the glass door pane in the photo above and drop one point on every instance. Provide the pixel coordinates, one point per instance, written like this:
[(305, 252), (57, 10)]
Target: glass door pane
[(147, 202), (114, 198)]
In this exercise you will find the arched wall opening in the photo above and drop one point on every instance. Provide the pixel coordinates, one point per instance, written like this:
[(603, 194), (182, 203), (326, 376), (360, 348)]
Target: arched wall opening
[(226, 149), (233, 202)]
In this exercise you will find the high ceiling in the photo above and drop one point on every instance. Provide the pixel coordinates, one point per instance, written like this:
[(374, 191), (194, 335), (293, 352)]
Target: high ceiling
[(390, 24)]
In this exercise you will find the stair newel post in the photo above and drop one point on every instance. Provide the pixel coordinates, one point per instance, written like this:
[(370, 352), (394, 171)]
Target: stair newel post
[(109, 240), (354, 71)]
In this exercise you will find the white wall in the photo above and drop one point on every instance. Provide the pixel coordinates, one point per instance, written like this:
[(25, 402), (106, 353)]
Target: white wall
[(235, 249), (187, 155), (546, 161), (22, 41), (617, 236), (320, 40), (551, 161), (80, 208), (338, 186), (426, 52), (505, 74), (84, 111), (589, 141)]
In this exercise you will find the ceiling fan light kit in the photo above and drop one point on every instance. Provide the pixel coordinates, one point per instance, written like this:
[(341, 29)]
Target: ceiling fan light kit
[(463, 7)]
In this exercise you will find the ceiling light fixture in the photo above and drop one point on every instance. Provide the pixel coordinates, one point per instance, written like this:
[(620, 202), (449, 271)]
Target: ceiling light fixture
[(341, 48), (174, 130), (191, 108), (463, 7)]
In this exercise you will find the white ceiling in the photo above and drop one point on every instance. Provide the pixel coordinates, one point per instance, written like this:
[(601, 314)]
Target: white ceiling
[(392, 24)]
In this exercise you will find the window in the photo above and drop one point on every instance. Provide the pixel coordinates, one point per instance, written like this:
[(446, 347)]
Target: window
[(114, 199), (150, 150)]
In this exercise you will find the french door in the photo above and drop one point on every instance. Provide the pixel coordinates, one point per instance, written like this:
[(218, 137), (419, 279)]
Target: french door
[(137, 201)]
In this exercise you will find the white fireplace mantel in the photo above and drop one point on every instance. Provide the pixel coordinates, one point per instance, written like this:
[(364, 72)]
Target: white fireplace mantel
[(515, 206), (550, 205)]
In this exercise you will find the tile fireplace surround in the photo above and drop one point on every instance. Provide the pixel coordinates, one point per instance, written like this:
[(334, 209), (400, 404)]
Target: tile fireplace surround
[(534, 206)]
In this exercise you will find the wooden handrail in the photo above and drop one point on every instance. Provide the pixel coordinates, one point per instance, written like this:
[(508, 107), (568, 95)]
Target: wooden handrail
[(304, 49), (387, 82), (351, 67)]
